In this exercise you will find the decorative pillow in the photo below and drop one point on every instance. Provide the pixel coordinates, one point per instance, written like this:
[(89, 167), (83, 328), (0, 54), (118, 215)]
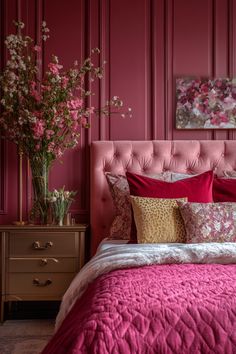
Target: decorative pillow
[(176, 176), (224, 190), (196, 189), (212, 222), (230, 174), (119, 188), (158, 220)]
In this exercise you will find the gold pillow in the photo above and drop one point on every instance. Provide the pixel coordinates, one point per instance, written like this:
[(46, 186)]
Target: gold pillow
[(158, 220)]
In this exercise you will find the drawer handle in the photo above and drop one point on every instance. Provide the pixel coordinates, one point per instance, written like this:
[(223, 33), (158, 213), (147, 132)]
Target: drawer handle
[(36, 245), (37, 282), (44, 261)]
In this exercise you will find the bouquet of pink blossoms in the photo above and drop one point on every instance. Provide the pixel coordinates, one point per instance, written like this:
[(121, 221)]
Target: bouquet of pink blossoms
[(45, 113)]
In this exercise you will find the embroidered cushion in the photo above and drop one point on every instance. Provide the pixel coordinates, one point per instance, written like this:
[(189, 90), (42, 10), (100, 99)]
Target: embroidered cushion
[(211, 222), (158, 220), (119, 188), (176, 176), (230, 174)]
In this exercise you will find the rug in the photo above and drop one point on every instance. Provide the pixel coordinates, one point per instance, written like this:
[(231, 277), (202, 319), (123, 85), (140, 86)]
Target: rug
[(25, 336)]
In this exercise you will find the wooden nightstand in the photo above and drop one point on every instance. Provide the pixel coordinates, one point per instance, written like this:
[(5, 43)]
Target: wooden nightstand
[(39, 262)]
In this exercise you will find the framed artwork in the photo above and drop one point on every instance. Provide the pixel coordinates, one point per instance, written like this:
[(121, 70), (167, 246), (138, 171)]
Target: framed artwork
[(203, 103)]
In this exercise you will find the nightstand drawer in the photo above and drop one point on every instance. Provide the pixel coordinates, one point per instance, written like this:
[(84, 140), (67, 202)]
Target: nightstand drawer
[(42, 243), (39, 284), (40, 264)]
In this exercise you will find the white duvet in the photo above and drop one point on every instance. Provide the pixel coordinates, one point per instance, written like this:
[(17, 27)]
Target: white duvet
[(135, 255)]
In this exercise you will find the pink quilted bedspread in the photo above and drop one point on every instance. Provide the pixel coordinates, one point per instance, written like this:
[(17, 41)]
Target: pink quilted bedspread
[(188, 308)]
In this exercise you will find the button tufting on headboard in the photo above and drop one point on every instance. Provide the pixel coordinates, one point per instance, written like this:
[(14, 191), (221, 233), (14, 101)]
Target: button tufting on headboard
[(189, 156)]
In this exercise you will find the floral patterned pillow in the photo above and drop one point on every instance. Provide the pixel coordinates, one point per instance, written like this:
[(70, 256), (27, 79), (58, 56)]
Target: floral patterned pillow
[(230, 174), (209, 222), (176, 176), (119, 188)]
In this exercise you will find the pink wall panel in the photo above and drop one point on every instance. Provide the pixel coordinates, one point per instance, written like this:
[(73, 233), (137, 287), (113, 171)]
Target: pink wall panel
[(192, 36), (158, 70), (9, 11), (67, 41), (232, 46), (221, 48), (147, 44), (129, 63)]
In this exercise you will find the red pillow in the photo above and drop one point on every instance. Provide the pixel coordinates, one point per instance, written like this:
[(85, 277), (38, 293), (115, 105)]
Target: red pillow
[(224, 190), (197, 189)]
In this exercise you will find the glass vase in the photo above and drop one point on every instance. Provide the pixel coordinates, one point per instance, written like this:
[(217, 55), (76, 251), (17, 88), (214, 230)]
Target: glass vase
[(60, 209), (40, 166)]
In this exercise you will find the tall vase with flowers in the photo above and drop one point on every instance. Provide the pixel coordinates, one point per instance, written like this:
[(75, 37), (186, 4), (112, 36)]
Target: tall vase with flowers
[(44, 114)]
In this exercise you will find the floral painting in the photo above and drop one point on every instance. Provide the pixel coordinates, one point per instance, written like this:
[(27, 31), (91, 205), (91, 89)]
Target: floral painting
[(204, 103)]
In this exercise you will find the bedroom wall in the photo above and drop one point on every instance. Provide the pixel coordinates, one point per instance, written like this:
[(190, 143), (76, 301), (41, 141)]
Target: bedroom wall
[(147, 44)]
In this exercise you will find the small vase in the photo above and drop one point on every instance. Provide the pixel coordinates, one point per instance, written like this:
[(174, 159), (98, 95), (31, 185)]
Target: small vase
[(40, 165), (59, 206), (60, 222)]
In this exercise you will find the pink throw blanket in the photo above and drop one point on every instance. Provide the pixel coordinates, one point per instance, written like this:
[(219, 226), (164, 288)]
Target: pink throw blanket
[(162, 309)]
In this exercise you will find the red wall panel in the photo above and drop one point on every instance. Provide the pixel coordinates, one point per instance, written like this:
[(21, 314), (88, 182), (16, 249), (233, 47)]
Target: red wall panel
[(192, 38), (67, 41), (130, 60), (147, 44)]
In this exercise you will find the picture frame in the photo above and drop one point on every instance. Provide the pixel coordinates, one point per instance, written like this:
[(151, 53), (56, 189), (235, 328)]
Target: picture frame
[(205, 103)]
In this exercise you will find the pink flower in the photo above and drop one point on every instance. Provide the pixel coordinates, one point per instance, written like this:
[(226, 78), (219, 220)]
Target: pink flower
[(64, 82), (33, 91), (54, 68), (49, 133), (38, 114), (218, 83), (74, 115), (61, 125), (51, 146), (83, 121), (38, 129), (32, 85), (75, 126), (75, 104), (223, 118), (58, 152), (204, 88), (201, 108), (45, 88), (36, 95), (37, 48), (91, 110)]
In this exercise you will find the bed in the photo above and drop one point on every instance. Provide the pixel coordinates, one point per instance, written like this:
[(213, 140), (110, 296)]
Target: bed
[(152, 297)]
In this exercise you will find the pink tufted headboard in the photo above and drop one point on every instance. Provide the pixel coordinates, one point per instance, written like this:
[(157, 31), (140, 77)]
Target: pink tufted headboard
[(149, 157)]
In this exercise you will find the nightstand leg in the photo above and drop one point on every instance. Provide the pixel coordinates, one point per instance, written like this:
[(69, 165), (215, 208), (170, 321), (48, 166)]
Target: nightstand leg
[(2, 311)]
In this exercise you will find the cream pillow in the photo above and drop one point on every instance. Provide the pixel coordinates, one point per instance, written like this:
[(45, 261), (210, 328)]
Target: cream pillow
[(158, 220)]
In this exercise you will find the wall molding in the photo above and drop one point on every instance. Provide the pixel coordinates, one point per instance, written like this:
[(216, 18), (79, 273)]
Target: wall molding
[(3, 177), (169, 99), (104, 85), (3, 164)]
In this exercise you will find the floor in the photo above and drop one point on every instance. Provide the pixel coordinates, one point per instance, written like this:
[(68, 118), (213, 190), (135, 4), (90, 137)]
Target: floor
[(25, 336)]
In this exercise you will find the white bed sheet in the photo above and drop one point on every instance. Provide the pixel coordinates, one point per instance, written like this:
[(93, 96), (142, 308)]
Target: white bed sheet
[(107, 243)]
